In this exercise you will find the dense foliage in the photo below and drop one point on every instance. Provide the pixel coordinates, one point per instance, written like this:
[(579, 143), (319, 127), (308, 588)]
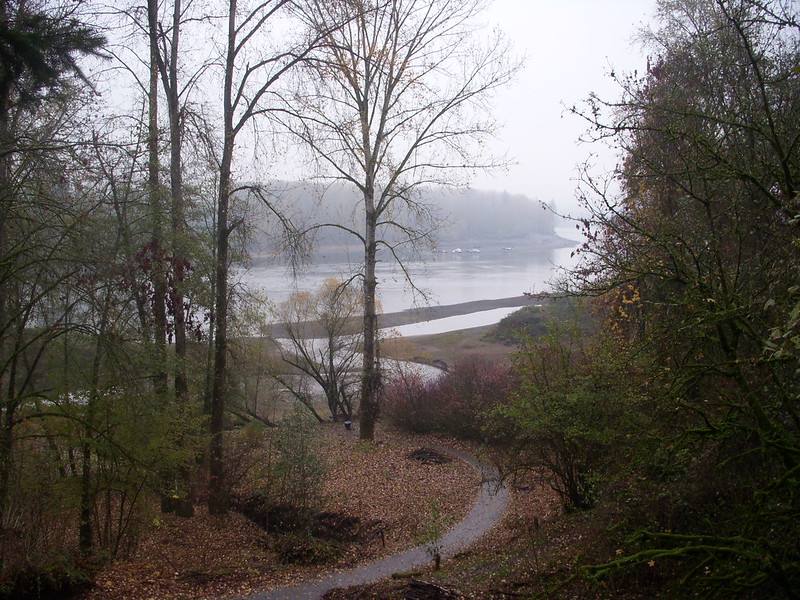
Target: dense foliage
[(102, 277), (573, 412), (531, 322), (693, 266)]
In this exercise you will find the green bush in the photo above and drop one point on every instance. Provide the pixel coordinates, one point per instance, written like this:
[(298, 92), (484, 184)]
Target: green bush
[(60, 579), (574, 412), (297, 471)]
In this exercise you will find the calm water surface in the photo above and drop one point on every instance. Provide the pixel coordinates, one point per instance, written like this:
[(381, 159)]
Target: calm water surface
[(446, 278)]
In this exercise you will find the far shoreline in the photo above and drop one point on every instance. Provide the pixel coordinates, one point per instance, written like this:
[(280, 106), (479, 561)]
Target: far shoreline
[(335, 253)]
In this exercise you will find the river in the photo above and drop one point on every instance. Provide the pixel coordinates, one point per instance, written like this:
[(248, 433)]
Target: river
[(446, 277)]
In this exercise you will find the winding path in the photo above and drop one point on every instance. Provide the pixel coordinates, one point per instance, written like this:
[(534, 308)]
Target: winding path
[(486, 512)]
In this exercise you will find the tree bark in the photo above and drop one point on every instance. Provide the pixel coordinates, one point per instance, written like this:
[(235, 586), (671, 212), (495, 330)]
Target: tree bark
[(179, 259), (154, 191), (218, 497), (370, 374)]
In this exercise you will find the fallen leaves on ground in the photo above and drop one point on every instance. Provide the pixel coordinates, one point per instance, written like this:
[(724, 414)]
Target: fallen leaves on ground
[(207, 556), (528, 543)]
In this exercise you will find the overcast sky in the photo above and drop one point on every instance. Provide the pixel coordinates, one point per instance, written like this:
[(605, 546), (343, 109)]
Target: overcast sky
[(570, 46)]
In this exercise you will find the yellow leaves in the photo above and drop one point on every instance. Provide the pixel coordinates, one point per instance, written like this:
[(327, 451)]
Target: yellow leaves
[(634, 298), (622, 300)]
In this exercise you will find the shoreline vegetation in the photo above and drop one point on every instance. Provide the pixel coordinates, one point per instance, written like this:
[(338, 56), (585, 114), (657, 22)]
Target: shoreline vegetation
[(432, 313)]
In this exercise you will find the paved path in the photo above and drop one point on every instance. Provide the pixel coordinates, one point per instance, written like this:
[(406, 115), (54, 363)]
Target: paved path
[(487, 511)]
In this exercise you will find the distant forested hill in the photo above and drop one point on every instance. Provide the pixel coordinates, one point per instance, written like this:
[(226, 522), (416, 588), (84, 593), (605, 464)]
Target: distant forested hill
[(482, 215), (468, 216)]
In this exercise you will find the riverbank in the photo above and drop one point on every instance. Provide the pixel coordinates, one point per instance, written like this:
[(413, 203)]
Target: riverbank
[(430, 313), (440, 348), (423, 313), (445, 349)]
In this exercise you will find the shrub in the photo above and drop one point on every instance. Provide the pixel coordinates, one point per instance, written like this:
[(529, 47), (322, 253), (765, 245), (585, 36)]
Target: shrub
[(60, 579), (408, 402), (572, 413), (454, 403), (471, 388), (529, 321), (297, 472), (286, 471)]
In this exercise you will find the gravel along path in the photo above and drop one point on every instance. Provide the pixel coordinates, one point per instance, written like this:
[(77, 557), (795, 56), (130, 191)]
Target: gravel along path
[(486, 512)]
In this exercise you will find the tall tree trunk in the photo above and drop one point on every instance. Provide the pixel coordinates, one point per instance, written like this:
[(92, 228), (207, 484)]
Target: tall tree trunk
[(370, 373), (85, 531), (6, 447), (218, 497), (154, 191), (178, 210), (7, 406)]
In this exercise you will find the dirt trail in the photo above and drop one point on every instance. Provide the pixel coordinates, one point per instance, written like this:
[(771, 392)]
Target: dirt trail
[(486, 512)]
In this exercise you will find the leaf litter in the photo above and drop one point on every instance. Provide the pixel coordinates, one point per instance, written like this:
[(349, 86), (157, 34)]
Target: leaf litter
[(380, 485)]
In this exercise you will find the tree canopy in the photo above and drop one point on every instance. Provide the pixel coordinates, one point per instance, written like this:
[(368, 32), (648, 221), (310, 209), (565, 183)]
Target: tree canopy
[(695, 261)]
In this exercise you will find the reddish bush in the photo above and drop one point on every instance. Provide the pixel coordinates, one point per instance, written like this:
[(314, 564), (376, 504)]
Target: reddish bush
[(453, 403), (408, 402)]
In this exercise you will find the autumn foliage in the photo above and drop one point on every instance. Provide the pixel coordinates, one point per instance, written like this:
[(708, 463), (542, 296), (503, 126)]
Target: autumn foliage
[(456, 402), (693, 264)]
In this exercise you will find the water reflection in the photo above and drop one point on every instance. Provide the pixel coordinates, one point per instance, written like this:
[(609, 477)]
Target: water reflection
[(445, 279)]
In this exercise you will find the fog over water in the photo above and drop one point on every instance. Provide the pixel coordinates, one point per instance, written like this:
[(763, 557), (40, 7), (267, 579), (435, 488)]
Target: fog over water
[(447, 277)]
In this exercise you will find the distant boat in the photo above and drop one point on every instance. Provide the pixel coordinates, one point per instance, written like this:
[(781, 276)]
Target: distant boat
[(507, 249), (457, 251), (474, 250)]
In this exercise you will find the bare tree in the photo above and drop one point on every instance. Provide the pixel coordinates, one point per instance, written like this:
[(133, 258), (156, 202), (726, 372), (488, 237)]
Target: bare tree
[(323, 344), (178, 89), (250, 72), (396, 99)]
